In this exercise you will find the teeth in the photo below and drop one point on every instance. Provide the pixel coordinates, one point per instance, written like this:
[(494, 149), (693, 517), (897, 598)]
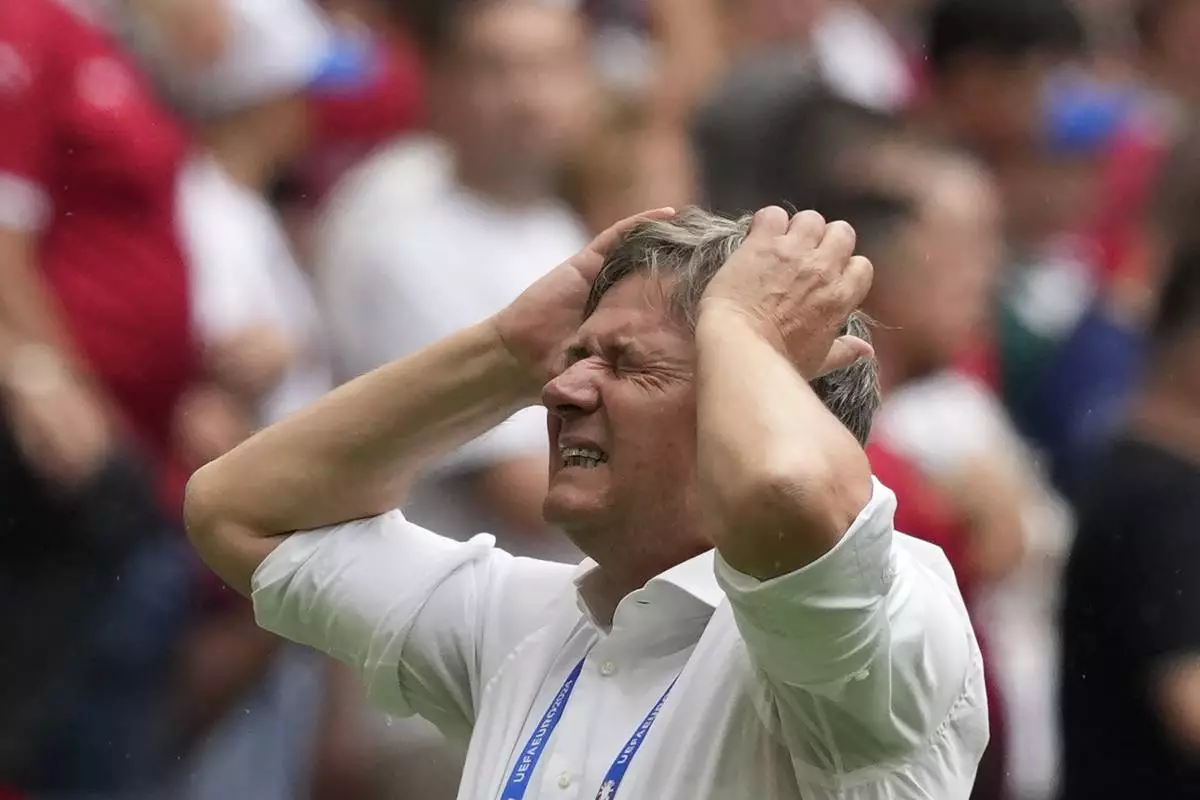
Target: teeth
[(582, 457)]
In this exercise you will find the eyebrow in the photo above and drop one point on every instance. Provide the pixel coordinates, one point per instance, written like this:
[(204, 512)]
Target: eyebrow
[(624, 346)]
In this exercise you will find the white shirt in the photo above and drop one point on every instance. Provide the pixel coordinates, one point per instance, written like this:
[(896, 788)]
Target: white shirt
[(855, 677), (406, 257), (244, 275)]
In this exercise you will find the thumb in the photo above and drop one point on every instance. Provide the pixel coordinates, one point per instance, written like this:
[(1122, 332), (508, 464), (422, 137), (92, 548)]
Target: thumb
[(845, 352)]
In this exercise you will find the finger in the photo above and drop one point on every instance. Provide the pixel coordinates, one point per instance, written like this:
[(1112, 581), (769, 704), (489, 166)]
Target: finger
[(768, 222), (838, 245), (845, 352), (609, 238), (857, 277), (807, 229)]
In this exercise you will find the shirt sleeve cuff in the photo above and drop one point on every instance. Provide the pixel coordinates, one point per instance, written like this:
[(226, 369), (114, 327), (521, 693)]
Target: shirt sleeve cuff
[(24, 205), (820, 623)]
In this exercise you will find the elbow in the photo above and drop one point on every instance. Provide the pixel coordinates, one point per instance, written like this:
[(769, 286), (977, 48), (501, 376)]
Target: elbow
[(788, 511), (201, 511)]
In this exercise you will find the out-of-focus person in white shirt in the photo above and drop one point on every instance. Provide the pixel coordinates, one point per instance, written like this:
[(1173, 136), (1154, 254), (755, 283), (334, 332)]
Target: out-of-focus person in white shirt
[(748, 623), (435, 233), (266, 357)]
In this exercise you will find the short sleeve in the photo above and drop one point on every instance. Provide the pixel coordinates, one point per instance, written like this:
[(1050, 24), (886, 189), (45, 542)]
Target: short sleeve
[(873, 637), (416, 614), (27, 99)]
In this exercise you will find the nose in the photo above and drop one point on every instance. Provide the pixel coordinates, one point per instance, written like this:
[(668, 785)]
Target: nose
[(573, 392)]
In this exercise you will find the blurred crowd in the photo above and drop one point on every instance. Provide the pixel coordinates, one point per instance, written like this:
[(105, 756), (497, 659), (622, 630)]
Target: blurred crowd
[(214, 211)]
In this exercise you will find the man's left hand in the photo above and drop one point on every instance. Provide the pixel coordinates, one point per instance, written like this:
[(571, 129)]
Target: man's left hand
[(798, 281)]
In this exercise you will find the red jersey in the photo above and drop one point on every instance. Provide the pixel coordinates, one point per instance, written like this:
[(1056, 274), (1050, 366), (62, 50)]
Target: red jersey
[(88, 165)]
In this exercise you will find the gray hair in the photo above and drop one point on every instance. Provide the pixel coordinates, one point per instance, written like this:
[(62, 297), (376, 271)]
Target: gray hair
[(688, 250)]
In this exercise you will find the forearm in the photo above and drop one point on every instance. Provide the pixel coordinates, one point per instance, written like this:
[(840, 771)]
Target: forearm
[(354, 453), (783, 476), (28, 312)]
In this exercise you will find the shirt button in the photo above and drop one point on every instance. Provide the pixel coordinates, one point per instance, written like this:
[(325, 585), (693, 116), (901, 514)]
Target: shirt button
[(607, 668), (564, 780)]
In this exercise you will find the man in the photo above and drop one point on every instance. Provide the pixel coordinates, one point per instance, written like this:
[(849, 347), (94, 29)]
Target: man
[(1130, 697), (828, 657), (434, 234)]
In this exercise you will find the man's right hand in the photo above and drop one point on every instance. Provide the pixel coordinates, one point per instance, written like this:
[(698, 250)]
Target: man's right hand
[(536, 324)]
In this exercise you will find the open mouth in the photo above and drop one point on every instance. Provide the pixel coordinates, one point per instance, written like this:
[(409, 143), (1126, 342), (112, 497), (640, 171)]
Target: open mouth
[(585, 457)]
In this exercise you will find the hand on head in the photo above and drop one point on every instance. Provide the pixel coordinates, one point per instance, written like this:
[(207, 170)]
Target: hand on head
[(798, 280), (535, 326)]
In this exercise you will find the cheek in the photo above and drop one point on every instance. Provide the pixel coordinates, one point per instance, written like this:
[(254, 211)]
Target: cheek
[(656, 430)]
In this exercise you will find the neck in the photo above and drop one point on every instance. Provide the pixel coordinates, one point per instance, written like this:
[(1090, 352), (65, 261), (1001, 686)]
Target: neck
[(1167, 417), (623, 571)]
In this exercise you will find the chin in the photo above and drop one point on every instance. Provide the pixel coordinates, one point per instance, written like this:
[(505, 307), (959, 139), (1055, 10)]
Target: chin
[(571, 506)]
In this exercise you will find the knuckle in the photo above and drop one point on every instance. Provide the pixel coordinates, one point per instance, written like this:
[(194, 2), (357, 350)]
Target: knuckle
[(842, 229), (810, 217), (781, 249)]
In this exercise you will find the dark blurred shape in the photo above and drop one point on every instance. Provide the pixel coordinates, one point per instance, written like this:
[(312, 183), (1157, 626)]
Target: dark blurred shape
[(432, 22), (1005, 30), (1131, 621), (774, 133), (988, 62), (65, 555), (1178, 313)]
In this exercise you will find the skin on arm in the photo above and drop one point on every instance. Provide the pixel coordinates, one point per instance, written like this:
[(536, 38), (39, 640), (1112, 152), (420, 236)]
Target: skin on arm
[(59, 420), (992, 500), (784, 478)]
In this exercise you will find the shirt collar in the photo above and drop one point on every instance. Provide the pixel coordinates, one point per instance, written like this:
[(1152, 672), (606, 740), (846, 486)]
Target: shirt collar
[(693, 579)]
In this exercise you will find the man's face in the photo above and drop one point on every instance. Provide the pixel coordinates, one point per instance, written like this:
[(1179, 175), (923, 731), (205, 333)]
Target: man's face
[(516, 85), (622, 424)]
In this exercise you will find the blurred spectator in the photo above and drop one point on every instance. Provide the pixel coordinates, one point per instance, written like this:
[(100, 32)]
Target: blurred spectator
[(741, 134), (1073, 398), (429, 236), (987, 66), (96, 350), (1130, 674), (253, 707), (939, 251)]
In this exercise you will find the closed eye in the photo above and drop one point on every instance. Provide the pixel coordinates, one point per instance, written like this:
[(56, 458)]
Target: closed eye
[(577, 353)]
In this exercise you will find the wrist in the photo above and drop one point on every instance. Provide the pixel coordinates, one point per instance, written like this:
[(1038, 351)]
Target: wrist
[(524, 373), (722, 317)]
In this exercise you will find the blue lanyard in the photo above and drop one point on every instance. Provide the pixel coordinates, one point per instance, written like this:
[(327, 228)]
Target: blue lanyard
[(518, 781)]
